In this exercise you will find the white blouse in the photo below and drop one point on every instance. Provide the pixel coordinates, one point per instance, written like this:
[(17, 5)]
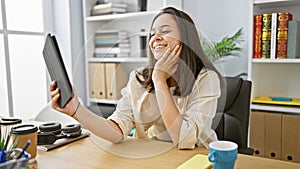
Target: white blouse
[(138, 108)]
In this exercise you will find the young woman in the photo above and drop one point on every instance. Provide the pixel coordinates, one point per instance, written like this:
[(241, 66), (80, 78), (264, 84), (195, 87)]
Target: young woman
[(173, 99)]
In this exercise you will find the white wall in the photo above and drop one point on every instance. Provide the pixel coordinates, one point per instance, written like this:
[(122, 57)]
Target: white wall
[(217, 18), (61, 29), (78, 60)]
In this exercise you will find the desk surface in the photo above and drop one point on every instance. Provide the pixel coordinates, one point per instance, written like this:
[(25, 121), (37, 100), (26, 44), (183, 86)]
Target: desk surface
[(86, 154)]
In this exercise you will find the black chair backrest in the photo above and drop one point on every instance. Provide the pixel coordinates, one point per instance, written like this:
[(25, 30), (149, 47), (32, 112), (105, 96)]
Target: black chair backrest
[(232, 118)]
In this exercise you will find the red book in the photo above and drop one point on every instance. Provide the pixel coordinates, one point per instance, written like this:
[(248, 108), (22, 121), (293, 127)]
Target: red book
[(257, 35), (282, 33)]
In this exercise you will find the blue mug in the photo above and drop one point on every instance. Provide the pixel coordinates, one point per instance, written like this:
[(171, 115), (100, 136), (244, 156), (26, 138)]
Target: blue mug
[(223, 154)]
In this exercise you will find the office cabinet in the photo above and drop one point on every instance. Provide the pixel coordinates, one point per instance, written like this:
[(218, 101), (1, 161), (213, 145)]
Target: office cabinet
[(265, 134), (275, 135), (274, 77), (291, 138)]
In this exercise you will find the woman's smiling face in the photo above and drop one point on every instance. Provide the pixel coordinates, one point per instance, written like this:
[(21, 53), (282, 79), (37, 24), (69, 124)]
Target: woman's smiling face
[(164, 34)]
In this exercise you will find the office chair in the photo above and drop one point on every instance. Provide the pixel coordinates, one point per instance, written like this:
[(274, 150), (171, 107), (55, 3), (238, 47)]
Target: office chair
[(48, 114), (102, 109), (232, 118)]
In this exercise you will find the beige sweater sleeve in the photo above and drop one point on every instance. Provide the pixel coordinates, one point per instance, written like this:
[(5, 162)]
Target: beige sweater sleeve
[(123, 115)]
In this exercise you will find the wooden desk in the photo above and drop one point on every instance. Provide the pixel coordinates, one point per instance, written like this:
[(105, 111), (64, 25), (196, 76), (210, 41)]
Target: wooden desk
[(86, 154)]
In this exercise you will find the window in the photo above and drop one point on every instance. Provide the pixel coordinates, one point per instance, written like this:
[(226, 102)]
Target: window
[(3, 86), (24, 15), (1, 25), (22, 69)]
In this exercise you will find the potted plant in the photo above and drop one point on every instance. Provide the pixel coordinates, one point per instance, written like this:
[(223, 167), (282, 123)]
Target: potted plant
[(228, 46)]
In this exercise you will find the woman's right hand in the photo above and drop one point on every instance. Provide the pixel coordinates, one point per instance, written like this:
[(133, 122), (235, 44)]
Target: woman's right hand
[(69, 109), (167, 65)]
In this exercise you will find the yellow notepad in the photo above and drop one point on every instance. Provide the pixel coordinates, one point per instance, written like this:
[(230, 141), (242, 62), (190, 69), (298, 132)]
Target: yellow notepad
[(268, 100), (198, 161)]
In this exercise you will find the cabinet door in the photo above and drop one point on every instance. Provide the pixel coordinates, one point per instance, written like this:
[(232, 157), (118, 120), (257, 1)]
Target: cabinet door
[(257, 133), (273, 135), (291, 138)]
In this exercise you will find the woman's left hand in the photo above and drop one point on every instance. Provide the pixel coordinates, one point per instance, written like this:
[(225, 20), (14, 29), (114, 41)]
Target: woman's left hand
[(167, 64)]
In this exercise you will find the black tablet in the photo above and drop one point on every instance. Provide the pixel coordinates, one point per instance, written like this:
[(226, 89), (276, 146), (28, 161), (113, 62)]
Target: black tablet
[(57, 70)]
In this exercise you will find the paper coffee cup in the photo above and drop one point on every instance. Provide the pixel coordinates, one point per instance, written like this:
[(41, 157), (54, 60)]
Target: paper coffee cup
[(21, 134)]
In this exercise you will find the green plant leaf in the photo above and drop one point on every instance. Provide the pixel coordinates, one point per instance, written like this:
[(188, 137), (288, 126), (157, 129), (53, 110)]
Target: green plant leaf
[(228, 46)]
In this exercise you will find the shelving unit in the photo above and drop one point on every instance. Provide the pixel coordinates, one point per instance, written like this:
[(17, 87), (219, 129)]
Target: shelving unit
[(134, 22), (274, 77), (271, 125)]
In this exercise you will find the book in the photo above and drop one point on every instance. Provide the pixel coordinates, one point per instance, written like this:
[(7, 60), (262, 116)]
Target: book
[(198, 161), (257, 36), (113, 50), (266, 35), (110, 4), (282, 34), (57, 70), (101, 11), (118, 10), (285, 101), (102, 6), (293, 42), (108, 8), (111, 55), (111, 31), (111, 10), (110, 36), (109, 41), (273, 36), (121, 45)]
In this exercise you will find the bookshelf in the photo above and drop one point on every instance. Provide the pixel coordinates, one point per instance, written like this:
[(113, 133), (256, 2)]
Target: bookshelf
[(271, 124), (274, 77), (134, 22)]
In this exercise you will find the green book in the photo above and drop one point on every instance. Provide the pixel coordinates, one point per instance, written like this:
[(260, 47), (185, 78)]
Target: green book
[(266, 35), (293, 43)]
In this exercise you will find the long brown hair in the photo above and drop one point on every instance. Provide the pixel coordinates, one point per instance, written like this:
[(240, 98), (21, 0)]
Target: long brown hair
[(193, 58)]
